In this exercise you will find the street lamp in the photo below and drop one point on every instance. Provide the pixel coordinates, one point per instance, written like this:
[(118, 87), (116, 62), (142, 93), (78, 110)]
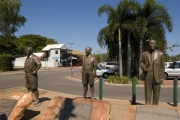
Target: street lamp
[(71, 59)]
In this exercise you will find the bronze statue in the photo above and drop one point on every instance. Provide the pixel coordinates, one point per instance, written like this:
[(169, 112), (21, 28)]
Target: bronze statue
[(31, 66), (89, 65), (152, 65)]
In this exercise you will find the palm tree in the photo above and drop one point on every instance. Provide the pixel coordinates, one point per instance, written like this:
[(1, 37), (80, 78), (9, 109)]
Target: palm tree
[(144, 22), (151, 22), (116, 17)]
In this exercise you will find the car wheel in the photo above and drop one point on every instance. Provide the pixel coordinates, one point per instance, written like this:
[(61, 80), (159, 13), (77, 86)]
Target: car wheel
[(105, 75), (107, 68)]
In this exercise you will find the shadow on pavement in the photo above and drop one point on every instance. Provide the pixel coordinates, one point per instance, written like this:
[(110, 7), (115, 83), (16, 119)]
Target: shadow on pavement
[(170, 104), (29, 114), (137, 103), (44, 99)]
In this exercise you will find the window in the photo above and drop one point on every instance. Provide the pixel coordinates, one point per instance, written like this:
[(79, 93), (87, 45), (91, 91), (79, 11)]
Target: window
[(56, 52), (177, 65)]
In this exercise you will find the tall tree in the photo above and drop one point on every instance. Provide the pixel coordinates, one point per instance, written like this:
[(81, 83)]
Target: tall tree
[(151, 22), (116, 17), (10, 19), (147, 21), (38, 42)]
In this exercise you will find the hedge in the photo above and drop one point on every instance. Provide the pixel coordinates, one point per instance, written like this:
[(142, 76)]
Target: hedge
[(6, 62)]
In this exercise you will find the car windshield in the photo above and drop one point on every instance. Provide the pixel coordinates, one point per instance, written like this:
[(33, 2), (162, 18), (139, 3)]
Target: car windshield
[(172, 65), (102, 67)]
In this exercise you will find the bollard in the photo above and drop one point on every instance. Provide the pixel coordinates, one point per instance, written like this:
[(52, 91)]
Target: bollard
[(100, 88), (72, 71), (133, 91), (175, 93)]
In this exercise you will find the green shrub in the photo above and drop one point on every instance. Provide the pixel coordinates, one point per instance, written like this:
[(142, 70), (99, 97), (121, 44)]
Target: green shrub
[(6, 62), (120, 80)]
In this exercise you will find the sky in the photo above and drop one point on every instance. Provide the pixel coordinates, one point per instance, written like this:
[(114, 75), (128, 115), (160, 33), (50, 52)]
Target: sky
[(77, 21)]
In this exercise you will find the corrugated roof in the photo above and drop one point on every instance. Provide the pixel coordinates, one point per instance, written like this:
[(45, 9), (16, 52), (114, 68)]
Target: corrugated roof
[(78, 52), (54, 46)]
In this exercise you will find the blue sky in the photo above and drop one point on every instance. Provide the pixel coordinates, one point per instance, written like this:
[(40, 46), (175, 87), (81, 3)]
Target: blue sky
[(77, 21)]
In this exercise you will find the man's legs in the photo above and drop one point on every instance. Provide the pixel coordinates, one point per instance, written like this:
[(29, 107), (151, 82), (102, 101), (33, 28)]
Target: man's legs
[(85, 89), (92, 91)]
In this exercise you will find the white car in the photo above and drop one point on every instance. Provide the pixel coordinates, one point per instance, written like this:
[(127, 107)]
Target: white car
[(173, 70), (110, 65), (167, 64), (103, 72)]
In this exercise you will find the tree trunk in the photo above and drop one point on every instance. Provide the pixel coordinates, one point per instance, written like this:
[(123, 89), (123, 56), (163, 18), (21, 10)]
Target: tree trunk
[(140, 56), (129, 55), (120, 55)]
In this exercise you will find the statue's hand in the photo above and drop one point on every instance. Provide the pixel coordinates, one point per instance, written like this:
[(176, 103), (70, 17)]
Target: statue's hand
[(34, 72), (95, 75), (145, 70)]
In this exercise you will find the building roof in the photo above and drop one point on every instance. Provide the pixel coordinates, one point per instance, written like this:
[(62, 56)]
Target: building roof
[(78, 52), (39, 54), (54, 46)]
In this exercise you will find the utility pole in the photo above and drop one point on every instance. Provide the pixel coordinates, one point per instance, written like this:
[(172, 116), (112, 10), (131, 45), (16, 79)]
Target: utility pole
[(71, 59)]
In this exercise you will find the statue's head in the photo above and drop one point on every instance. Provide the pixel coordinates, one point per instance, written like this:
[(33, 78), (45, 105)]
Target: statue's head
[(152, 45), (29, 51), (88, 50)]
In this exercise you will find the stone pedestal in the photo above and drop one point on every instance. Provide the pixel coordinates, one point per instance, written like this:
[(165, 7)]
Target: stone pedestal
[(14, 105), (76, 109)]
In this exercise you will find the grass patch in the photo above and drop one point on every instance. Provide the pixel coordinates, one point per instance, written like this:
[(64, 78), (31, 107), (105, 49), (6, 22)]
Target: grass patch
[(121, 80)]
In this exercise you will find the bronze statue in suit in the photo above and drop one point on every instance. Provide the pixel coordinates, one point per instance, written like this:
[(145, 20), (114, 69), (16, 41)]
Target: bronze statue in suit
[(152, 64), (89, 65)]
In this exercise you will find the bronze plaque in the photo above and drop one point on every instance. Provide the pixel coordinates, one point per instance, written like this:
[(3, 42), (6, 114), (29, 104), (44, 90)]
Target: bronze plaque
[(6, 107), (74, 111)]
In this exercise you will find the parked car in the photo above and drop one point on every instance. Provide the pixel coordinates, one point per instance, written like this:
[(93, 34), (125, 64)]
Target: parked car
[(173, 70), (167, 64), (103, 72), (110, 65)]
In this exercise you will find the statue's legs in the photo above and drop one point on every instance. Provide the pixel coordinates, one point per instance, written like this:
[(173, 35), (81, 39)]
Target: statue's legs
[(148, 94), (36, 96), (156, 92), (148, 88), (92, 91), (85, 89)]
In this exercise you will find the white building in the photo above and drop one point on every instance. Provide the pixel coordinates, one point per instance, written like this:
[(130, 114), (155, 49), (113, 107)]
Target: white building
[(53, 55)]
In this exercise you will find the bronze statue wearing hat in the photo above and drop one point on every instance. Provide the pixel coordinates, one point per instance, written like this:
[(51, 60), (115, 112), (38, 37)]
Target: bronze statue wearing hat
[(31, 66)]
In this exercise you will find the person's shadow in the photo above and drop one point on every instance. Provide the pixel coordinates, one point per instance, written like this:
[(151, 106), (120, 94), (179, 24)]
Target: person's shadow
[(3, 117), (66, 110)]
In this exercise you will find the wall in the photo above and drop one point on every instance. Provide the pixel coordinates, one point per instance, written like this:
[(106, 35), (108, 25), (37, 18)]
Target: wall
[(19, 62)]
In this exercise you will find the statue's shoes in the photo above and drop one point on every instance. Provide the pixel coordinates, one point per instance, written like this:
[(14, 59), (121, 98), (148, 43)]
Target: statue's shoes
[(36, 102)]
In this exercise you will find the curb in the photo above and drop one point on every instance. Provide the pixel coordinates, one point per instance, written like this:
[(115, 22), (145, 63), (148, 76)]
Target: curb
[(78, 79), (129, 85)]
